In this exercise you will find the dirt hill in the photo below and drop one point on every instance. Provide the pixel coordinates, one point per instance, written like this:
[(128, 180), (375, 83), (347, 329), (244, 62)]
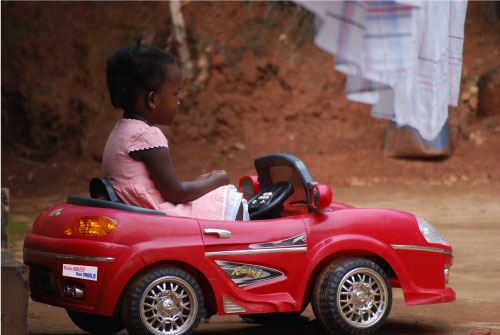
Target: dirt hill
[(262, 87)]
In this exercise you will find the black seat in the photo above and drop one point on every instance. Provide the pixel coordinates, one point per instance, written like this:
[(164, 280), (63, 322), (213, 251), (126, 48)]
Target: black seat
[(104, 196), (101, 188)]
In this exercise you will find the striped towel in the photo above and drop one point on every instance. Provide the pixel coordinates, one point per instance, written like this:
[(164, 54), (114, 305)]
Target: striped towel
[(402, 57)]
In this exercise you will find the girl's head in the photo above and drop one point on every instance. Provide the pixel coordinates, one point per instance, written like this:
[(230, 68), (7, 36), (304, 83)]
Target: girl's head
[(144, 80)]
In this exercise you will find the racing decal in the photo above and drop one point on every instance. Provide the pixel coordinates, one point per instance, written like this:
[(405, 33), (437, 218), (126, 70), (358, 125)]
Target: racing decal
[(246, 274), (296, 241), (80, 271)]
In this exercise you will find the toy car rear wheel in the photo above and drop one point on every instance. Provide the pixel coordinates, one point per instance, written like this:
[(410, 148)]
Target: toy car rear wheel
[(352, 296), (96, 324), (164, 301)]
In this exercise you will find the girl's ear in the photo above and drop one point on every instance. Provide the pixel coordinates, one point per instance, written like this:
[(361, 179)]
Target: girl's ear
[(151, 100)]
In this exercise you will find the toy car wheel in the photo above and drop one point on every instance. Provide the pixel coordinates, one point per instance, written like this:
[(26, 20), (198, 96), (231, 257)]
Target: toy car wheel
[(352, 296), (96, 324), (163, 301)]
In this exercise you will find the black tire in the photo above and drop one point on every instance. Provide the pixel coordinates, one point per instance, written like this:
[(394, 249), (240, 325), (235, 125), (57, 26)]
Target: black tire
[(352, 296), (174, 299), (275, 319), (96, 324)]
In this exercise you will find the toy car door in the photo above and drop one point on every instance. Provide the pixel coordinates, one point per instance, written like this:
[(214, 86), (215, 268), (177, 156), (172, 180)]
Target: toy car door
[(258, 256)]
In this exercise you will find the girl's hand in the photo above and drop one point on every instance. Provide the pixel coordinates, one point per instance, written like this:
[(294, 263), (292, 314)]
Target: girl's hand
[(221, 177), (203, 176)]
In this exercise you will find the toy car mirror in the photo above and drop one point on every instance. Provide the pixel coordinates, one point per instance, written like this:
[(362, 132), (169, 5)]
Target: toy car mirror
[(321, 196), (249, 186)]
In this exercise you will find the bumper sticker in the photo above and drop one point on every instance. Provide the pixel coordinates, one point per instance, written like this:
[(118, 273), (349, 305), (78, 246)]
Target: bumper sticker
[(80, 271)]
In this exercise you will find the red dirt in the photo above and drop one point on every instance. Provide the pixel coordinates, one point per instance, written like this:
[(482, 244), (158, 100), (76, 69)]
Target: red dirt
[(269, 90)]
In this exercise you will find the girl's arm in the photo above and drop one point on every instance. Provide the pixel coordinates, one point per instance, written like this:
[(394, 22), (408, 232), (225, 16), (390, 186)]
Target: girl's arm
[(159, 165)]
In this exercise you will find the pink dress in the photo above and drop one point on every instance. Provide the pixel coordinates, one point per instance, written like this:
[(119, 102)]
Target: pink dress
[(133, 184)]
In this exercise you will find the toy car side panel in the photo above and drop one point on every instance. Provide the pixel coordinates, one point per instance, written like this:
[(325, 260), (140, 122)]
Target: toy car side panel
[(258, 266), (279, 300), (167, 238), (426, 284), (375, 232), (139, 240), (158, 239)]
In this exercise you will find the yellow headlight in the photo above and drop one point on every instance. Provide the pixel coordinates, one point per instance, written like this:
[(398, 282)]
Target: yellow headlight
[(96, 226)]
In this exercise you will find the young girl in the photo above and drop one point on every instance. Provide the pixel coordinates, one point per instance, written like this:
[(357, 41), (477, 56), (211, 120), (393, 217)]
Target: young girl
[(144, 81)]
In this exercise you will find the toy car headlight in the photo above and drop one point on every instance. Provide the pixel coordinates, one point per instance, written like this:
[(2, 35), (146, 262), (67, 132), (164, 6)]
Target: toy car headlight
[(431, 234)]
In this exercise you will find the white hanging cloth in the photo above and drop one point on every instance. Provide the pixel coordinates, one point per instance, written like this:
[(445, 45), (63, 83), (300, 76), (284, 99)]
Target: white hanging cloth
[(403, 57)]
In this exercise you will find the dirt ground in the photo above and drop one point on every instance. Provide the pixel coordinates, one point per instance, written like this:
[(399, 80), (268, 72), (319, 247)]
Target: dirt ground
[(466, 215)]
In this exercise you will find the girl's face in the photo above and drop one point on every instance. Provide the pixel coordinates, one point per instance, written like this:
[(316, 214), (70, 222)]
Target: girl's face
[(165, 100)]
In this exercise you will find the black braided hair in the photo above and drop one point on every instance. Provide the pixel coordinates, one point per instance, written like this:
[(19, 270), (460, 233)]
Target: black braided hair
[(134, 69)]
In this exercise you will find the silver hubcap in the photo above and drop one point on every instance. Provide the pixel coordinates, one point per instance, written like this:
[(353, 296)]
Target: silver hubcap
[(362, 297), (168, 306)]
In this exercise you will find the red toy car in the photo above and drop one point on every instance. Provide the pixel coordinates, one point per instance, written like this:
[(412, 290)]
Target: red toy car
[(113, 265)]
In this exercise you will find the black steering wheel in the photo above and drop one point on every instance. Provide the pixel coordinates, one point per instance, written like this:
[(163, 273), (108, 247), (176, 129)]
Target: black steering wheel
[(268, 203)]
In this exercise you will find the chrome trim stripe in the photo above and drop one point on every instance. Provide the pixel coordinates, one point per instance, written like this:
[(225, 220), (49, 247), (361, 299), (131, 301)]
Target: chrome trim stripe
[(294, 241), (419, 248), (254, 251), (66, 256)]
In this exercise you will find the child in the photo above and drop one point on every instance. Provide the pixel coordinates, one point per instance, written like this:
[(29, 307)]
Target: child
[(144, 81)]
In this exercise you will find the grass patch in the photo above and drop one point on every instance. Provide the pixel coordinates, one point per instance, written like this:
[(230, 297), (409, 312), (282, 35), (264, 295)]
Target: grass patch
[(33, 316), (16, 230)]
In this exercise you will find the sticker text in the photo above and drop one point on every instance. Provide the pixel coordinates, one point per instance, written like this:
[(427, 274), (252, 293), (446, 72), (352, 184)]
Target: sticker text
[(80, 271)]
